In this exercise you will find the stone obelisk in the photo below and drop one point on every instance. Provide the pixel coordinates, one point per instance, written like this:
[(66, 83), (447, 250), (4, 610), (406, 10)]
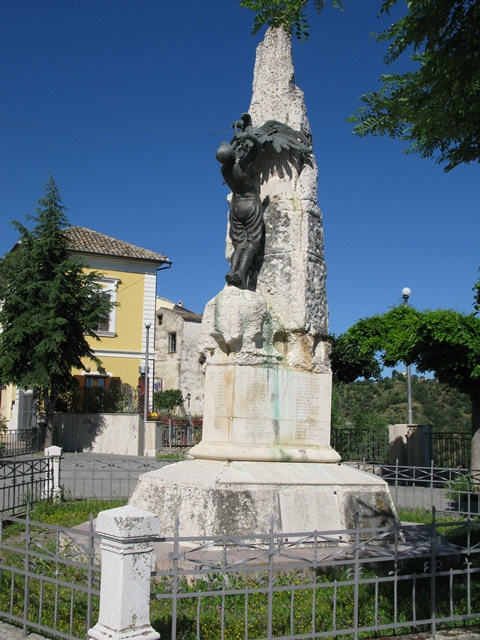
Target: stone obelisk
[(266, 428), (268, 381)]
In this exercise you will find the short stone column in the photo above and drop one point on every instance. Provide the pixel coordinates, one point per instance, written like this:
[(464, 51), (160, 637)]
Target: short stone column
[(127, 534), (52, 480), (153, 438)]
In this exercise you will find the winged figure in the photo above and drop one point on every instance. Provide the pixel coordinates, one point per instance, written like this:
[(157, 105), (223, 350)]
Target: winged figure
[(279, 135), (247, 229)]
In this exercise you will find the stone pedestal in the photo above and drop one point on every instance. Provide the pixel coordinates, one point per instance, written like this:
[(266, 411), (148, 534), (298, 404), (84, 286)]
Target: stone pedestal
[(266, 413), (126, 547), (212, 497)]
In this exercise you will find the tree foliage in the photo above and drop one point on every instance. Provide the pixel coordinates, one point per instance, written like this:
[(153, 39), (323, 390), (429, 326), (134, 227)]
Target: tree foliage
[(288, 14), (350, 361), (374, 404), (435, 106), (49, 306), (167, 400), (445, 342), (476, 304)]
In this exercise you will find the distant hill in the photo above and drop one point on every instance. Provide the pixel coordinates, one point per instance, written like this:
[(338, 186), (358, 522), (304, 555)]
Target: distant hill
[(370, 404)]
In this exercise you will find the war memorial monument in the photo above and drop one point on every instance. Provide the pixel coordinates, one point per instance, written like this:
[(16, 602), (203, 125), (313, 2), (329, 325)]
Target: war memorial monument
[(266, 426)]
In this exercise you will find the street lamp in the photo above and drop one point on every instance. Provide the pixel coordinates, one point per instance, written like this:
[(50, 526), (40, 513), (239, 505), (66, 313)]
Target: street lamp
[(148, 324), (406, 292), (189, 417)]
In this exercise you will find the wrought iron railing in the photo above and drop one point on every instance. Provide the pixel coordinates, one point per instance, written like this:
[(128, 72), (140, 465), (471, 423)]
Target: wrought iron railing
[(113, 399), (179, 433), (447, 449), (318, 584), (451, 449), (448, 490), (345, 584), (361, 444), (104, 476), (19, 442), (49, 577), (24, 481)]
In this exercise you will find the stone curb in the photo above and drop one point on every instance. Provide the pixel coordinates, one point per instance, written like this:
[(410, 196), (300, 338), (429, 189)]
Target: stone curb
[(10, 632)]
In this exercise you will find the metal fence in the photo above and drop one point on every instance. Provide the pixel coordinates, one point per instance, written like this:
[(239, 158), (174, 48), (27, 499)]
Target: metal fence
[(451, 449), (49, 577), (19, 442), (448, 490), (113, 399), (446, 449), (23, 481), (361, 444), (319, 584), (179, 434), (349, 583), (104, 476)]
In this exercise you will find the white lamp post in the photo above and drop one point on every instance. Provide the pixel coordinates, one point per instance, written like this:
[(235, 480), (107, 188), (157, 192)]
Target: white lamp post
[(406, 292), (148, 324)]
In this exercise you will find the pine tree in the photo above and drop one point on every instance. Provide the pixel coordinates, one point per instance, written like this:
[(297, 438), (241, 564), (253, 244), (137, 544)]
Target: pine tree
[(49, 305)]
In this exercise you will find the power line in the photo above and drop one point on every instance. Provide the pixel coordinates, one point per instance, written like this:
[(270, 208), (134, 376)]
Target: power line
[(92, 127), (171, 136)]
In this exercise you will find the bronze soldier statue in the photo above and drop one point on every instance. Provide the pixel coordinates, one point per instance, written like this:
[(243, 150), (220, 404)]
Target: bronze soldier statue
[(247, 229)]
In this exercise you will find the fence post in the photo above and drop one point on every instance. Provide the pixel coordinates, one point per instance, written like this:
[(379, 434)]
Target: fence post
[(52, 480), (127, 534)]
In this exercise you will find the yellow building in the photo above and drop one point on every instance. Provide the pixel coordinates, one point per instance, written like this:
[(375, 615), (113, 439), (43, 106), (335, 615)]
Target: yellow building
[(129, 278)]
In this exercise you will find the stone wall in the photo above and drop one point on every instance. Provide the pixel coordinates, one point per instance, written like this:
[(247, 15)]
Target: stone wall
[(192, 379), (117, 433), (410, 444), (167, 364), (179, 369)]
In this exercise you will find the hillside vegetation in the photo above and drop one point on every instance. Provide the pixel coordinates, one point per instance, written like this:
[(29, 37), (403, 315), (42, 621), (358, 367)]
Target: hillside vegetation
[(371, 404)]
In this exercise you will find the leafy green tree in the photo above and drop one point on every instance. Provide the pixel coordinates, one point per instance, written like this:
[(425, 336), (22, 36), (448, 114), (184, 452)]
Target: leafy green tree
[(476, 303), (349, 361), (49, 305), (445, 342), (167, 400), (435, 106), (366, 403), (288, 14)]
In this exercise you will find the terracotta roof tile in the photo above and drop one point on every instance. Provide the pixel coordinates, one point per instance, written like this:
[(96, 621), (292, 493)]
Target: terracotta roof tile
[(187, 315), (88, 241)]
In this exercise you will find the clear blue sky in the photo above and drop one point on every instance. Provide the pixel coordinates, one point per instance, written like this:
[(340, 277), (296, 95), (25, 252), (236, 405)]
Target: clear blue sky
[(124, 103)]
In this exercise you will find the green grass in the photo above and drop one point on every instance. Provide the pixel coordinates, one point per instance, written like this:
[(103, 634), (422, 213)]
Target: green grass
[(175, 455), (66, 513), (299, 605), (70, 513), (424, 516)]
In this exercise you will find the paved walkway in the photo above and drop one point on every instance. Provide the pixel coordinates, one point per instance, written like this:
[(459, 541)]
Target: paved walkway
[(89, 474), (9, 632)]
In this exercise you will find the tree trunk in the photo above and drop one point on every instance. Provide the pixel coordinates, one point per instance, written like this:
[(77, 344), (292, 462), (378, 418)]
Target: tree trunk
[(475, 455), (49, 402)]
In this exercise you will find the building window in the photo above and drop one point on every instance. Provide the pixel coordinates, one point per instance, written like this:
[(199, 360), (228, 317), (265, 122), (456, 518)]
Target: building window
[(95, 382), (104, 327), (160, 319), (172, 342), (109, 292)]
